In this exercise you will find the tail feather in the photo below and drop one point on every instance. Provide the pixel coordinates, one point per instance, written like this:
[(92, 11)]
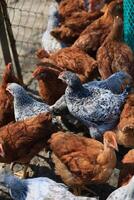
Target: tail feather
[(125, 93)]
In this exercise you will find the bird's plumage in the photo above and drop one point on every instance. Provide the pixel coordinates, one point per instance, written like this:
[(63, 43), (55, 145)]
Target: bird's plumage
[(123, 193), (49, 43), (24, 105), (97, 108), (116, 83), (41, 188)]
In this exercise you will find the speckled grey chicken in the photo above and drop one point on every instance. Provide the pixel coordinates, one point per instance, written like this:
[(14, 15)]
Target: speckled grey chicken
[(96, 108), (123, 193), (114, 55), (116, 83), (40, 188), (24, 105)]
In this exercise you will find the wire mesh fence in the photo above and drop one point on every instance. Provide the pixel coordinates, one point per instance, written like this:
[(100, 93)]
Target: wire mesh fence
[(28, 21)]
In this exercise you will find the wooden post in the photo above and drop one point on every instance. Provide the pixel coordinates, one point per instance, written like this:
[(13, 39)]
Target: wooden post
[(11, 39), (4, 40)]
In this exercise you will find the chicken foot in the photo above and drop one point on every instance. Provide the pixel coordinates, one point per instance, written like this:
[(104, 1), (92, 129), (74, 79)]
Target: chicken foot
[(21, 174)]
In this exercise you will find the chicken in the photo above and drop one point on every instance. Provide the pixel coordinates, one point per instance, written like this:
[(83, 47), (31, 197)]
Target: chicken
[(94, 34), (50, 87), (98, 4), (80, 160), (117, 82), (20, 141), (6, 100), (49, 43), (40, 188), (98, 109), (75, 60), (127, 169), (125, 128), (71, 28), (123, 193), (114, 55), (67, 7), (24, 105)]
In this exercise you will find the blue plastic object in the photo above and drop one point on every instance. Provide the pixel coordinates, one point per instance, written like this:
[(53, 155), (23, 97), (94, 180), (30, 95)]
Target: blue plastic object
[(128, 10)]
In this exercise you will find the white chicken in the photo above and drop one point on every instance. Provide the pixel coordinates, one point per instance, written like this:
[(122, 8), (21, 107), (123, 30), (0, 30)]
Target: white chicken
[(49, 43)]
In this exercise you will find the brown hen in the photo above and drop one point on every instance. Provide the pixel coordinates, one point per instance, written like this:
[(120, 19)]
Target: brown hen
[(75, 60), (50, 87), (80, 160), (6, 100), (67, 7), (71, 28), (127, 170), (114, 55), (125, 128), (22, 140), (94, 34), (98, 4)]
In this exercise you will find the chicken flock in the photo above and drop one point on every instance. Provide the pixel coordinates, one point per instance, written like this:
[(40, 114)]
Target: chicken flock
[(85, 76)]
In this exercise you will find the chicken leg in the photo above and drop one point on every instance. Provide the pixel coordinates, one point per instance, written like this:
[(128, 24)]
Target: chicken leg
[(22, 173)]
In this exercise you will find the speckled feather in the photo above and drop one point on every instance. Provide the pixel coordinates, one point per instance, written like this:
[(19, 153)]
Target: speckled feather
[(38, 189), (95, 107), (116, 83), (123, 193), (24, 105)]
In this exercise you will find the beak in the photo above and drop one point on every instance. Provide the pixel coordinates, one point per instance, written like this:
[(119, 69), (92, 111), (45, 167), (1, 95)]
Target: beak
[(114, 145)]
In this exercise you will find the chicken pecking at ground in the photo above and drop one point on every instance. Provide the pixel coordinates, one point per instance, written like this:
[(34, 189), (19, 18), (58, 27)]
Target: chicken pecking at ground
[(6, 100), (98, 109), (21, 141), (114, 55), (40, 188), (123, 193), (125, 128), (25, 106), (127, 168), (94, 34), (81, 161)]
